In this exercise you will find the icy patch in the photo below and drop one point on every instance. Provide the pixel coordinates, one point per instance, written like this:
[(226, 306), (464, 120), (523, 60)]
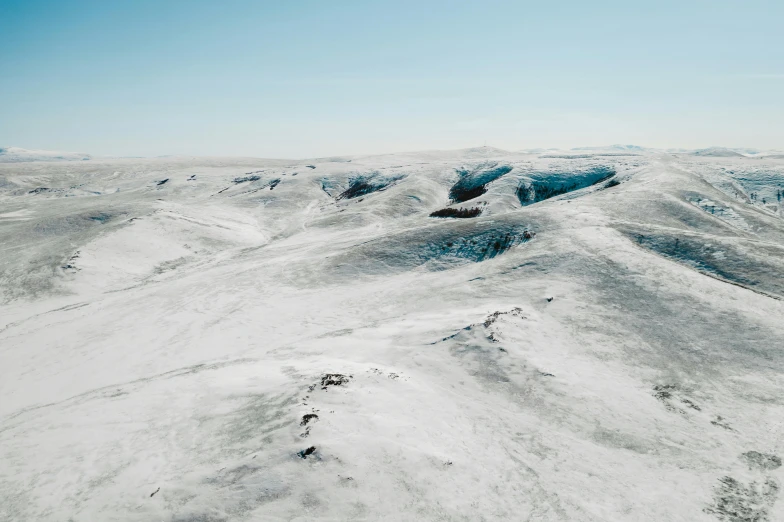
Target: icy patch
[(450, 244), (735, 263), (541, 186), (479, 248), (473, 181)]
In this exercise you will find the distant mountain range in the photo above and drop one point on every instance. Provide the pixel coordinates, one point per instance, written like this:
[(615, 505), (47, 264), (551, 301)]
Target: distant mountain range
[(18, 154)]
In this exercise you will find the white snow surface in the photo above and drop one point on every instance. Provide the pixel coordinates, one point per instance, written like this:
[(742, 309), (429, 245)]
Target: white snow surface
[(211, 339)]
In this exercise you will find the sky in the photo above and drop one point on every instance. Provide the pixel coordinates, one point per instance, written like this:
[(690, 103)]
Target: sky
[(299, 79)]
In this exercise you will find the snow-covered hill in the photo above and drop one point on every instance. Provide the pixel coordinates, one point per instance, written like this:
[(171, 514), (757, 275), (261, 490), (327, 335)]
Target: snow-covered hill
[(718, 152), (17, 154), (597, 337)]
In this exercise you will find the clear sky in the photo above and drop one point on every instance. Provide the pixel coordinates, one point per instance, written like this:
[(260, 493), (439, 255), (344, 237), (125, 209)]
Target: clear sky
[(312, 78)]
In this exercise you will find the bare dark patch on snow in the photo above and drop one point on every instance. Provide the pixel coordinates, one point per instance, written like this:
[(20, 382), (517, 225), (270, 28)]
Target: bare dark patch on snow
[(334, 379), (42, 190), (672, 396), (307, 418), (457, 212), (270, 184), (515, 312), (246, 179), (734, 501), (306, 452), (761, 461), (364, 184), (720, 422)]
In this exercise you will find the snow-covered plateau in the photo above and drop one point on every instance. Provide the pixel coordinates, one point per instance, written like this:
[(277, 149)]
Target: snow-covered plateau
[(474, 335)]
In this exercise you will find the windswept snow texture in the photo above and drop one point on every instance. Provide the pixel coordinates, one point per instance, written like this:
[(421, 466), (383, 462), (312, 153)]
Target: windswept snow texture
[(271, 340)]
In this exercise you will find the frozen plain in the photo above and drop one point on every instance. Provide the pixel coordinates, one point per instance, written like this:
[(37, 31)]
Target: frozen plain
[(207, 339)]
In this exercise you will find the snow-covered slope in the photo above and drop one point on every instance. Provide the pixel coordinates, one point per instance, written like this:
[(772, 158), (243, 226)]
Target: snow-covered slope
[(238, 339), (717, 152), (17, 154)]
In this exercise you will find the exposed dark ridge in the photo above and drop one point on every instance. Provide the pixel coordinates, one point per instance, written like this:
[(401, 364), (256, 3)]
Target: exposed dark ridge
[(457, 212), (271, 184), (459, 196), (543, 186), (473, 182), (361, 185), (245, 179), (358, 187)]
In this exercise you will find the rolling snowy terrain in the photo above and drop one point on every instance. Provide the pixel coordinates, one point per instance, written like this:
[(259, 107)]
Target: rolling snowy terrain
[(592, 335)]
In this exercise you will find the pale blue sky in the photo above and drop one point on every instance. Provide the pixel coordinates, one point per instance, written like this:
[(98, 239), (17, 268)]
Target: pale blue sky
[(302, 79)]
